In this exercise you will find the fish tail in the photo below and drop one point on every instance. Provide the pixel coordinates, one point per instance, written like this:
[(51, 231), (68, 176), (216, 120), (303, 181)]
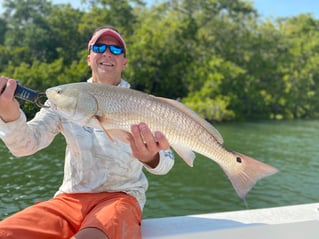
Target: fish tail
[(246, 173)]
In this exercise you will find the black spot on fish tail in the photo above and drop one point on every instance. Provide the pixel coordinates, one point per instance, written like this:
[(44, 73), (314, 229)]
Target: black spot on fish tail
[(245, 172)]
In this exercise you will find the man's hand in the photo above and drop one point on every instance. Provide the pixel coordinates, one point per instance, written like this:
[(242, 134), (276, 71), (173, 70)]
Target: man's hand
[(9, 106), (146, 146)]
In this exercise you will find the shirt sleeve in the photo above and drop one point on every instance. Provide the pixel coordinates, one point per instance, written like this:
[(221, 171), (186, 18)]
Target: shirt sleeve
[(25, 138), (165, 164)]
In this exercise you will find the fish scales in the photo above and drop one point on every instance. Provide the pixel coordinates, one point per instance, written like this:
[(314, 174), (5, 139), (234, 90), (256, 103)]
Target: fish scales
[(152, 111), (114, 107)]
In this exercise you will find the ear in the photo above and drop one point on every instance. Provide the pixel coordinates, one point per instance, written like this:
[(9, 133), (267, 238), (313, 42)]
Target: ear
[(88, 60), (125, 63)]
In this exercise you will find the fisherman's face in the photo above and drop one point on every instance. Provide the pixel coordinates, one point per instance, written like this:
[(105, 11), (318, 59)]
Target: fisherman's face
[(107, 67)]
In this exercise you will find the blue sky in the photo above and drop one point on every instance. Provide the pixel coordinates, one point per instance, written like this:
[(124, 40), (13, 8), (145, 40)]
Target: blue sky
[(286, 8), (266, 8)]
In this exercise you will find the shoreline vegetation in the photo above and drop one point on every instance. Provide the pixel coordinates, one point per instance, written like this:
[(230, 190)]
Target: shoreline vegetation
[(218, 57)]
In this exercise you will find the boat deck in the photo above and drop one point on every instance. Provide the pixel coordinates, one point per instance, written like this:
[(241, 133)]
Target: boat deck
[(293, 222)]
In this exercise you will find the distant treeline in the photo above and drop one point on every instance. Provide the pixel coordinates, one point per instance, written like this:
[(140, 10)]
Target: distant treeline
[(217, 56)]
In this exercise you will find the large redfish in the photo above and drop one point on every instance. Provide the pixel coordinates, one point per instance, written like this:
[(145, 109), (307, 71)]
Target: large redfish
[(110, 107)]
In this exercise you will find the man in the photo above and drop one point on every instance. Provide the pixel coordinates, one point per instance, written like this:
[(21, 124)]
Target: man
[(103, 190)]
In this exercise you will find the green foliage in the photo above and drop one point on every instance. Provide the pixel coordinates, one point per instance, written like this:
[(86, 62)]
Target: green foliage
[(158, 59), (216, 56)]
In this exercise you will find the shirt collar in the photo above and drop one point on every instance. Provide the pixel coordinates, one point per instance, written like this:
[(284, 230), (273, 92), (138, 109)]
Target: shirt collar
[(123, 83)]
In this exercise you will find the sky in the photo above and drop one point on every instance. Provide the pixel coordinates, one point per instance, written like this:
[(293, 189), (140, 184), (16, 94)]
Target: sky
[(266, 8), (286, 8)]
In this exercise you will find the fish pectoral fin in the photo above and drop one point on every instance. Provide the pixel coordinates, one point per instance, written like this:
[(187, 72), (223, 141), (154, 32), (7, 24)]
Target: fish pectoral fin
[(185, 153), (99, 120), (121, 135)]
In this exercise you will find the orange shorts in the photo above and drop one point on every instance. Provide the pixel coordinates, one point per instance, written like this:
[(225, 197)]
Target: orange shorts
[(117, 214)]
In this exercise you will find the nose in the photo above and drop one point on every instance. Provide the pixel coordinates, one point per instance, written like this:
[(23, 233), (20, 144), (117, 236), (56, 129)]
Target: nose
[(107, 52)]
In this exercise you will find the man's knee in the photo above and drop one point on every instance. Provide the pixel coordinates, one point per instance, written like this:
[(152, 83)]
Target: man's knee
[(92, 233), (6, 234)]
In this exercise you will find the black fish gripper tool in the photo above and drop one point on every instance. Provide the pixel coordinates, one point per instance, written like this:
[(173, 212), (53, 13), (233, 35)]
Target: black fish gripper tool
[(30, 95)]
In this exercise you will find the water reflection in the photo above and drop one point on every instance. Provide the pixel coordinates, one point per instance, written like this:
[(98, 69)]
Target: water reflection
[(26, 180), (291, 146)]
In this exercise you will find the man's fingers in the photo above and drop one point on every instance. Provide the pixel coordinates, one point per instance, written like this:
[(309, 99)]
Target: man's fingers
[(161, 141)]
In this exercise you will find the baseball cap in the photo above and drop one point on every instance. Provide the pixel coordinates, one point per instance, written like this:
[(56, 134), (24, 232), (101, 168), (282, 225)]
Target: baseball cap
[(110, 32)]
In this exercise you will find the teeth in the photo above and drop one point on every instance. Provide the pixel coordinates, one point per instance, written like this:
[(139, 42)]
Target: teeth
[(106, 64)]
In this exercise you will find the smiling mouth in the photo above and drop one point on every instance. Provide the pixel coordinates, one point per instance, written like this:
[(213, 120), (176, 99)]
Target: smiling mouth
[(106, 64)]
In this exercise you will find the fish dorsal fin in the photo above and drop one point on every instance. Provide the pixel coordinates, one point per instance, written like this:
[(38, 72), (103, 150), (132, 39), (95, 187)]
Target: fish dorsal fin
[(185, 153), (195, 117)]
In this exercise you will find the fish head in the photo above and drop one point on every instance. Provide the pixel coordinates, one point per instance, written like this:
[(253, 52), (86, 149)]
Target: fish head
[(72, 102)]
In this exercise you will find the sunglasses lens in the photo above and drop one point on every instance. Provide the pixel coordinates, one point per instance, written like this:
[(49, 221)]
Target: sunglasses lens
[(101, 48), (97, 48), (116, 50)]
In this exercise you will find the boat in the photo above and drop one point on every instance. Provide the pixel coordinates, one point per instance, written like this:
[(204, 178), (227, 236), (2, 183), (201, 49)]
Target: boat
[(293, 222)]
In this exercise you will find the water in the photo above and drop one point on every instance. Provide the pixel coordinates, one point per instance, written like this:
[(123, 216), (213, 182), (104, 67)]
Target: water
[(291, 146)]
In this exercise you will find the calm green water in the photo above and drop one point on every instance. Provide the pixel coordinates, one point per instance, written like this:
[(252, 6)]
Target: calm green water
[(291, 146)]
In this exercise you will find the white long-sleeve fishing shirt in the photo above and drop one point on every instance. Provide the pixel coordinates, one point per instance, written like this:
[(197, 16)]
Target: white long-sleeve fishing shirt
[(92, 162)]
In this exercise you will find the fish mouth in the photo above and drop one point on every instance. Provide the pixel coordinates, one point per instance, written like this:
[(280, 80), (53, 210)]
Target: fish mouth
[(52, 106)]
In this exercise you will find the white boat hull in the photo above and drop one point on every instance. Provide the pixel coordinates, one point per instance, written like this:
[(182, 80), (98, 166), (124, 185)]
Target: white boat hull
[(293, 222)]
